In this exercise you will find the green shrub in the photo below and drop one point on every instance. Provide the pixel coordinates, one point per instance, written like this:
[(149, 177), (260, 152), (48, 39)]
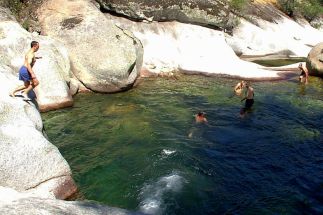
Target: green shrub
[(310, 9), (15, 6), (287, 6), (26, 24), (238, 5)]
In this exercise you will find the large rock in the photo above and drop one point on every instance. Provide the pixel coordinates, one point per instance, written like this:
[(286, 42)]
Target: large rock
[(103, 57), (213, 13), (258, 28), (15, 203), (28, 160), (315, 61), (173, 46), (53, 70), (281, 35)]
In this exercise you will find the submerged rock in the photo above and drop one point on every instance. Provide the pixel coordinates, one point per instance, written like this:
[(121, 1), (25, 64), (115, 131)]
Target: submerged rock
[(104, 58), (315, 61)]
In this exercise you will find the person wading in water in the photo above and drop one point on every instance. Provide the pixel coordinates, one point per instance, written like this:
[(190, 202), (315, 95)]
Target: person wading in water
[(249, 99), (303, 77)]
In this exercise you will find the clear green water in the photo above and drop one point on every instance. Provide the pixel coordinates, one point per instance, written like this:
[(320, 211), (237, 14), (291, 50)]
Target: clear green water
[(132, 150)]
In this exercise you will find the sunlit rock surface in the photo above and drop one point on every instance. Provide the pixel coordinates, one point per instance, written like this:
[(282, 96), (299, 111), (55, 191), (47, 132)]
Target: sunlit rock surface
[(103, 57), (52, 71), (315, 60)]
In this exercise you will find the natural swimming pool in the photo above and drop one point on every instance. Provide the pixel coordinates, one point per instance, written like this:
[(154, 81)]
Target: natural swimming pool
[(132, 150)]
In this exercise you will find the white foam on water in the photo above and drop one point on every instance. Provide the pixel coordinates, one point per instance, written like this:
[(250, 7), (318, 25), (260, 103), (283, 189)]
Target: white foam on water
[(168, 152), (153, 194)]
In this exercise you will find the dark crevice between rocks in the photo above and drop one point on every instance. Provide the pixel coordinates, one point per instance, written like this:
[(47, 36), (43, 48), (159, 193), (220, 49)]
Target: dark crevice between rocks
[(40, 183), (129, 85), (130, 70), (113, 12), (64, 190)]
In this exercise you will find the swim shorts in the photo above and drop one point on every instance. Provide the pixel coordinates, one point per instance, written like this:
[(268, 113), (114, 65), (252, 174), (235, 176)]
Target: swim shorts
[(24, 74), (249, 103)]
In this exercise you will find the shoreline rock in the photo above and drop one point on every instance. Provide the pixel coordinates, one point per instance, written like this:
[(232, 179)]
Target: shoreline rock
[(173, 46), (28, 160), (18, 203), (315, 61)]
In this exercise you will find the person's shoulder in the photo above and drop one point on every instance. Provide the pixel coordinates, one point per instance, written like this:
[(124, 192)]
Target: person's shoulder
[(29, 53)]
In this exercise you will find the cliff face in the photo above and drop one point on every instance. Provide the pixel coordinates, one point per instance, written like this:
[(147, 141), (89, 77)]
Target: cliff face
[(212, 13), (215, 14)]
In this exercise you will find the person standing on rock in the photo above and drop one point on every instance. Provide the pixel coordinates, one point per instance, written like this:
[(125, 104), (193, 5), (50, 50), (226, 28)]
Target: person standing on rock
[(249, 99), (26, 74), (303, 77)]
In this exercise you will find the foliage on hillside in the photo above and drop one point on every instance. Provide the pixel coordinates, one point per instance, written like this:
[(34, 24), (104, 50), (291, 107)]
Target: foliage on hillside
[(310, 9), (238, 5), (15, 6), (24, 10)]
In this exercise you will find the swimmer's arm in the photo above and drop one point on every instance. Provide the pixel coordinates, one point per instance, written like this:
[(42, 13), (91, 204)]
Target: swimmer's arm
[(237, 87), (245, 97)]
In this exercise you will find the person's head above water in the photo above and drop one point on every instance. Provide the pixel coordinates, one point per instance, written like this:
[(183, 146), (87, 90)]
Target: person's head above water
[(200, 117), (300, 65), (201, 114)]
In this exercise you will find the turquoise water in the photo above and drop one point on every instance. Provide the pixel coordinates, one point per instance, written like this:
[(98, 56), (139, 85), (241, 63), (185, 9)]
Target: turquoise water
[(133, 149)]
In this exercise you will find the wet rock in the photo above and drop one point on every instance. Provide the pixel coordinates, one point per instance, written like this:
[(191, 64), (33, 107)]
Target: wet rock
[(16, 203)]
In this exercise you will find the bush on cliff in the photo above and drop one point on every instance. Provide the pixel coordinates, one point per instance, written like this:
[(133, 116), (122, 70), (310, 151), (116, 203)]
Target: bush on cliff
[(310, 9), (15, 6), (238, 5)]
